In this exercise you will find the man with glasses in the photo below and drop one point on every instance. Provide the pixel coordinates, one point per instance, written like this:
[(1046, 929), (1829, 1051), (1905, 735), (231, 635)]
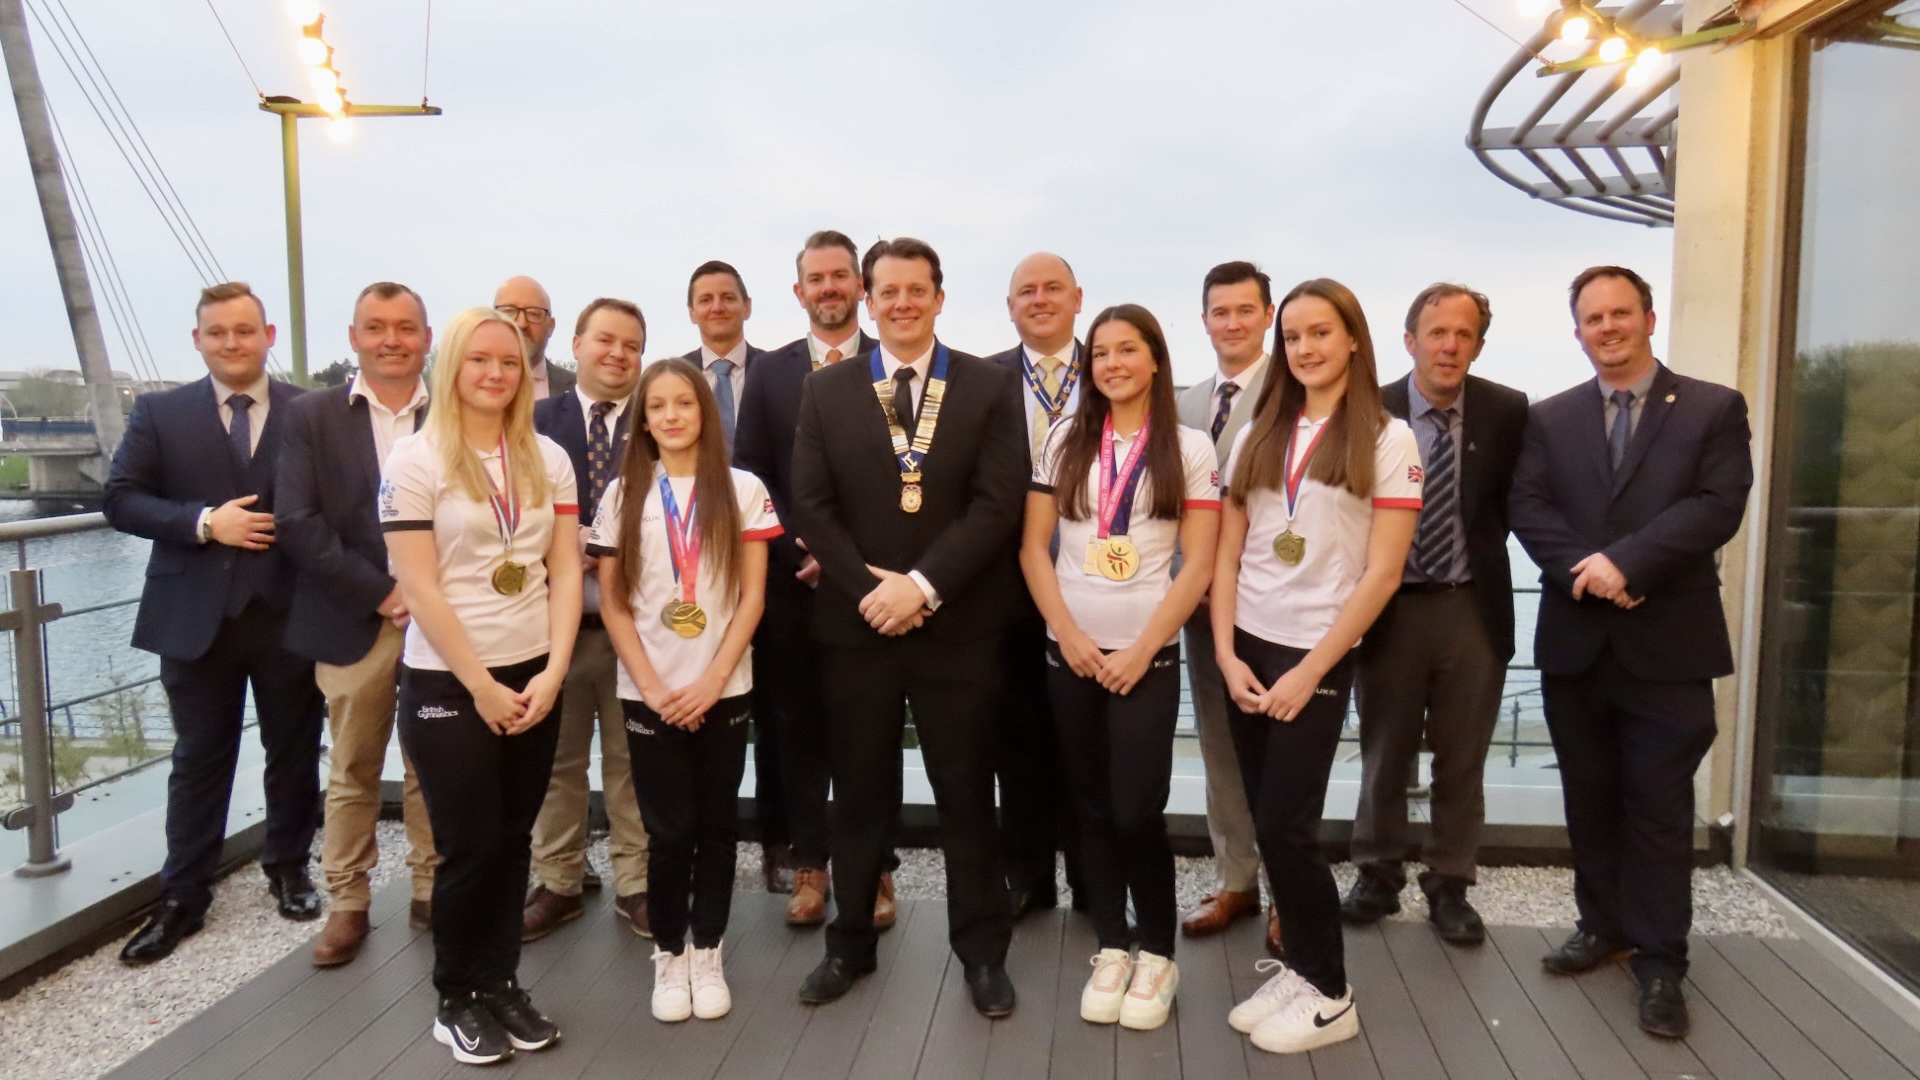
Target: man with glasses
[(524, 301)]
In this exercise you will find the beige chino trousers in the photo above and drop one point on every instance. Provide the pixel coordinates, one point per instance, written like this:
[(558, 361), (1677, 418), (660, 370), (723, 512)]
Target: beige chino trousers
[(560, 832)]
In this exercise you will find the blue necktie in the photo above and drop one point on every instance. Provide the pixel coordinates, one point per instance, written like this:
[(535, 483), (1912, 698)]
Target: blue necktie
[(723, 393), (1622, 427), (1433, 542), (240, 432), (1225, 410)]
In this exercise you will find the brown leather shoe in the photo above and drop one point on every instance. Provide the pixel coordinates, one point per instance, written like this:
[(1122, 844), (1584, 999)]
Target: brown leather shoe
[(1218, 911), (420, 914), (546, 910), (1275, 947), (340, 939), (883, 909), (633, 908), (808, 905)]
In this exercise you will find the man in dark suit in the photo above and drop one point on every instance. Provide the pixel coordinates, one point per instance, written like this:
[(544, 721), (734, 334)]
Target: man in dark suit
[(908, 481), (1627, 488), (347, 615), (525, 301), (789, 716), (1435, 661), (717, 303), (1042, 300), (194, 474), (591, 422)]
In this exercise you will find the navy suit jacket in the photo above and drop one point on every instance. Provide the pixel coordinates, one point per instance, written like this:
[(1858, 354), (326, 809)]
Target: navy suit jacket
[(329, 524), (846, 501), (174, 462), (1015, 360), (1677, 498), (763, 444), (1493, 423), (564, 420)]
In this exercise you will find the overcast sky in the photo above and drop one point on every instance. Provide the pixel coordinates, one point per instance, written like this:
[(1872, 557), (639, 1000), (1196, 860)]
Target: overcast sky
[(607, 149)]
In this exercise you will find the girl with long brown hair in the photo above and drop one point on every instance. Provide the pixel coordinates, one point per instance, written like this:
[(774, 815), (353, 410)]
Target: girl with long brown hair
[(1322, 492), (682, 541), (1126, 488)]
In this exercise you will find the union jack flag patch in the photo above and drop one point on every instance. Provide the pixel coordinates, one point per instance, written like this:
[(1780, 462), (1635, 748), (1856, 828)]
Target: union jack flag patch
[(1213, 478), (1415, 475), (768, 507)]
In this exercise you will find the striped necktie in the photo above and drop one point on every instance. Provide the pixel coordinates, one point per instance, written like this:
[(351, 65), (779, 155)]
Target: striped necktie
[(1433, 540), (1050, 384)]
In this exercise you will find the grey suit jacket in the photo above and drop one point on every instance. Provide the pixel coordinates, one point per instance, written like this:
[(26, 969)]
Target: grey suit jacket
[(1196, 408)]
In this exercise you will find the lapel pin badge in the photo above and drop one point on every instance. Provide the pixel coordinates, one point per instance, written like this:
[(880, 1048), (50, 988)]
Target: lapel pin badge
[(1670, 399)]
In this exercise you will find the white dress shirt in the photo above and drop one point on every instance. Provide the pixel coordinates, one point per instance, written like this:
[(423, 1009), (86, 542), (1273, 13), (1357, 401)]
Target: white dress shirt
[(817, 347), (1067, 359), (389, 426), (738, 376)]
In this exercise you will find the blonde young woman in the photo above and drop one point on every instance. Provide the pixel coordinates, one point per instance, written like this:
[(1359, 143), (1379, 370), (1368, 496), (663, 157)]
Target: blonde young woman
[(481, 524)]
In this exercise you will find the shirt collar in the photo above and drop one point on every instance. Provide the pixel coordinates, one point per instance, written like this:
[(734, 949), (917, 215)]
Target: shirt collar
[(1244, 380), (258, 391), (1639, 390), (920, 365), (738, 354), (1418, 405), (587, 403), (1034, 356), (817, 348), (359, 389)]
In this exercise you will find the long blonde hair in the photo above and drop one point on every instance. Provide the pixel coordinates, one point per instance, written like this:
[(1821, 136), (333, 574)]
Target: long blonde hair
[(463, 468)]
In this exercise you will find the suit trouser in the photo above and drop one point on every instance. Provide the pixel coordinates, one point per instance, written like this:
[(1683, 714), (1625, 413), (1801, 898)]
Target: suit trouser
[(1034, 815), (688, 783), (1229, 822), (1431, 670), (483, 791), (1629, 749), (953, 689), (560, 832), (361, 698), (1285, 765), (792, 777), (1117, 753), (207, 697)]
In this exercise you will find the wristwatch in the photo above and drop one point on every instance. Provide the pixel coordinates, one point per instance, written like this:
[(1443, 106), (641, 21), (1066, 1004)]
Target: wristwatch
[(206, 529)]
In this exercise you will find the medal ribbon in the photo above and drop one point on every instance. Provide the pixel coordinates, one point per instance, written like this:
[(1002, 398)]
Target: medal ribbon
[(1037, 386), (1118, 489), (505, 507), (910, 455), (683, 541), (1294, 478)]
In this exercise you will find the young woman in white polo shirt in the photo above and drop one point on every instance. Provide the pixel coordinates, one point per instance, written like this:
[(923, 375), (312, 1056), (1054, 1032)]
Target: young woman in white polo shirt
[(1321, 493), (482, 532), (682, 540), (1127, 488)]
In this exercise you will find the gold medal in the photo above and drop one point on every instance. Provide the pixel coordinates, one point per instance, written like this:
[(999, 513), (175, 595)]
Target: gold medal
[(1290, 547), (911, 498), (509, 578), (1119, 559), (683, 618)]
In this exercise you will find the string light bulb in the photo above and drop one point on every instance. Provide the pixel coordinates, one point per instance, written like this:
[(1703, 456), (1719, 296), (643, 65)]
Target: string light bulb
[(303, 12), (312, 51), (1575, 28), (1613, 50), (331, 102), (1644, 65), (323, 79)]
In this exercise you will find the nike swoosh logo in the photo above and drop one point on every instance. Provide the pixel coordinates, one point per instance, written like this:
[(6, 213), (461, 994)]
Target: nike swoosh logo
[(1322, 1021), (470, 1045)]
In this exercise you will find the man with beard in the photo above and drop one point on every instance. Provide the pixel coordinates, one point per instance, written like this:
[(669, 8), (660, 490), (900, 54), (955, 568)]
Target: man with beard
[(523, 300), (790, 752), (717, 303)]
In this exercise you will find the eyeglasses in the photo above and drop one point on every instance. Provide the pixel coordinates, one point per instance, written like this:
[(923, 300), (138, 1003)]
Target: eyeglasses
[(514, 311)]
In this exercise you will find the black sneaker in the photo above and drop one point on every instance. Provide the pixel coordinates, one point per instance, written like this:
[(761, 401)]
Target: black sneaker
[(1369, 901), (526, 1027), (468, 1028)]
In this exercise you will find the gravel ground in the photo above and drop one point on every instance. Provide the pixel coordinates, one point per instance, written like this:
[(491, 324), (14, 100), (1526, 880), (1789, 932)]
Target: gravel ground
[(93, 1014)]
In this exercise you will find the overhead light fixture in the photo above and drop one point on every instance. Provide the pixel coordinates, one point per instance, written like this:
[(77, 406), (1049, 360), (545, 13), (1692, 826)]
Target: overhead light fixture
[(1613, 50), (1576, 28), (303, 12)]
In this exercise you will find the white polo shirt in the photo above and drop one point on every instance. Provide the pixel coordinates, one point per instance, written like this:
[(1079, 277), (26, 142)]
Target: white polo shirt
[(1295, 605), (1115, 613), (415, 494), (679, 661)]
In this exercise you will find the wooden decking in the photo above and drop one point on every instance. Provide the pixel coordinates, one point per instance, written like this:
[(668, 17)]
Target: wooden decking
[(1763, 1010)]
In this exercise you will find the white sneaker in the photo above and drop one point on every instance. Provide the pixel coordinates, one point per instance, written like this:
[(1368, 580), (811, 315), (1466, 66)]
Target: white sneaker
[(1150, 999), (1272, 996), (1310, 1021), (672, 988), (1100, 1001), (711, 998)]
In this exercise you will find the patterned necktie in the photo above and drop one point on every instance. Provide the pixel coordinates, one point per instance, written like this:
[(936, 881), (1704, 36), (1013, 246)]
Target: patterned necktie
[(1622, 427), (1050, 384), (240, 432), (1433, 540), (723, 393), (903, 399), (599, 452), (1225, 409)]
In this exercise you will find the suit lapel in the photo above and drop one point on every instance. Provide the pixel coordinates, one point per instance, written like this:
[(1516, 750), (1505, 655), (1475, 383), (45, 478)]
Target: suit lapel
[(221, 448), (1590, 427), (366, 451), (1653, 413), (1473, 432)]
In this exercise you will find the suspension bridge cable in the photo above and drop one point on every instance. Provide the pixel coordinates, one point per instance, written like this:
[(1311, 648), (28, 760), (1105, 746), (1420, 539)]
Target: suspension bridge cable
[(426, 58), (236, 51), (120, 301)]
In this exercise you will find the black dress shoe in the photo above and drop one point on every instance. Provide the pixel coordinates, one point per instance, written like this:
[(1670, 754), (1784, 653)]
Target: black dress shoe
[(293, 890), (165, 929), (1452, 917), (1026, 900), (1370, 900), (992, 991), (1583, 952), (1663, 1008), (831, 981)]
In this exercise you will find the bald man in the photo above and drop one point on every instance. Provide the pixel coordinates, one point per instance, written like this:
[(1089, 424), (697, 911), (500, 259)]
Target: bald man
[(523, 300), (1043, 300)]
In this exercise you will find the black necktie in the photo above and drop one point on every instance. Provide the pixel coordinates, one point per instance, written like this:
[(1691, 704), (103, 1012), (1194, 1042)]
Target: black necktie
[(903, 399), (599, 452), (1622, 427), (241, 430), (1225, 410)]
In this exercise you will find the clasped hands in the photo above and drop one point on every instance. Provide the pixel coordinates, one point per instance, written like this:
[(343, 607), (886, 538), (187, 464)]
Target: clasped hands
[(1117, 672), (896, 605), (686, 707), (1597, 575), (1283, 701), (506, 712)]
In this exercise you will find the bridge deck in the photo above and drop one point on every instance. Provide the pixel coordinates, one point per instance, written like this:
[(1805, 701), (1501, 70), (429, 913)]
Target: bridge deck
[(1763, 1010)]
